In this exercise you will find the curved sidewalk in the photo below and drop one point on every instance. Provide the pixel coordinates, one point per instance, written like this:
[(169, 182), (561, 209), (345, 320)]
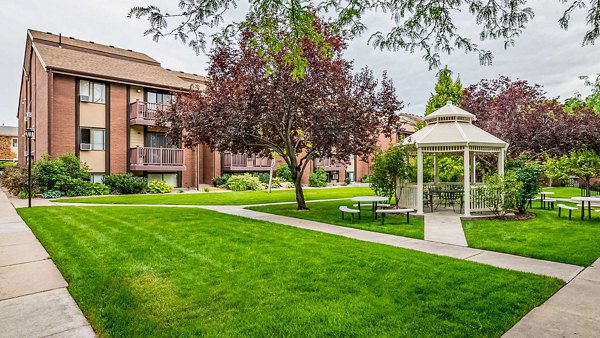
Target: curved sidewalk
[(34, 301)]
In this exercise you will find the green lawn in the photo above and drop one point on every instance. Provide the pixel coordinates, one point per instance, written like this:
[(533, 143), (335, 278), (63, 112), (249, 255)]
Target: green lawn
[(546, 236), (328, 212), (226, 198), (189, 272), (563, 192)]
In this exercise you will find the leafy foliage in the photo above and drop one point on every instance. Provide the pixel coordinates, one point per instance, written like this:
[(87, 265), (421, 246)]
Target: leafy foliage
[(318, 178), (280, 26), (520, 114), (556, 169), (159, 187), (65, 173), (529, 174), (584, 163), (125, 184), (284, 172), (243, 182), (445, 90), (15, 180), (329, 113), (389, 169), (501, 193), (220, 181), (52, 194)]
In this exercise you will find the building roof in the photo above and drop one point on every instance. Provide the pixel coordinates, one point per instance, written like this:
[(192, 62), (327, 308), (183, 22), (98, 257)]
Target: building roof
[(8, 131), (451, 125), (89, 59)]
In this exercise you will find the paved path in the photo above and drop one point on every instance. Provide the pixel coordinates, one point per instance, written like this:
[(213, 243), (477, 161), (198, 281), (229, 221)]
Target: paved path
[(574, 311), (34, 301), (562, 271), (444, 228)]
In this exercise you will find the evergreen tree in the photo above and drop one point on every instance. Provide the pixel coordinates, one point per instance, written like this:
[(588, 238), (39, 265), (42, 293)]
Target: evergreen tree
[(445, 90)]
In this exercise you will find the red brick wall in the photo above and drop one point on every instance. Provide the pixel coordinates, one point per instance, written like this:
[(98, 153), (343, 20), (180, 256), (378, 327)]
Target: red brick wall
[(62, 121), (118, 128), (189, 174), (21, 122)]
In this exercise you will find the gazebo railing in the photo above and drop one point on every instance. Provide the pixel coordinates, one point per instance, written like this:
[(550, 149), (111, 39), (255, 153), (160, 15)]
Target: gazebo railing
[(408, 196), (478, 194)]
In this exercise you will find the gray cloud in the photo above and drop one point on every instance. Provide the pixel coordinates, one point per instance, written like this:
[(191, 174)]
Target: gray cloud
[(545, 54)]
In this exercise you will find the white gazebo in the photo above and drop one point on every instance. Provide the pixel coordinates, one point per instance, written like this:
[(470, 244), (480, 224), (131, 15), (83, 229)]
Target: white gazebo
[(450, 131)]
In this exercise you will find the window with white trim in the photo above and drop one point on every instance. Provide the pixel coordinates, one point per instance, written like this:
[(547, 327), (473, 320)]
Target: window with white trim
[(15, 142), (92, 139), (94, 91)]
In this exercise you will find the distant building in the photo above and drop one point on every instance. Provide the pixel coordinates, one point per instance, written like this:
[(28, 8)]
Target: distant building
[(9, 143)]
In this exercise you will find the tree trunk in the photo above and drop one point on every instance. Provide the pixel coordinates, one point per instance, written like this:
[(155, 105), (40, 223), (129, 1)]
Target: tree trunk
[(300, 194), (297, 177)]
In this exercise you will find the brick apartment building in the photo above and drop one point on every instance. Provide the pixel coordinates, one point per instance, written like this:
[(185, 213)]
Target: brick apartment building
[(100, 103)]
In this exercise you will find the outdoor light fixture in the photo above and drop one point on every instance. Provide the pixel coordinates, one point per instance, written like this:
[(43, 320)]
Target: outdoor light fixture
[(29, 135)]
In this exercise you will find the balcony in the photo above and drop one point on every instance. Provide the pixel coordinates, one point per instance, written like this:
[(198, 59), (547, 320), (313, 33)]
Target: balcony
[(244, 162), (328, 164), (145, 113), (156, 159)]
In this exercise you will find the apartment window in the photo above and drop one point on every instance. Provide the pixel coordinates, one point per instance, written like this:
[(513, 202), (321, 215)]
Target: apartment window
[(335, 175), (15, 142), (157, 97), (96, 178), (94, 91), (92, 139)]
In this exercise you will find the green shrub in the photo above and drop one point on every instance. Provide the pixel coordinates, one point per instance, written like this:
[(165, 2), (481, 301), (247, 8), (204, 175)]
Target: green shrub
[(529, 174), (284, 172), (220, 181), (99, 189), (6, 164), (159, 187), (125, 184), (23, 194), (347, 180), (52, 194), (243, 182), (366, 179), (317, 178), (62, 173), (15, 179), (263, 177), (501, 193)]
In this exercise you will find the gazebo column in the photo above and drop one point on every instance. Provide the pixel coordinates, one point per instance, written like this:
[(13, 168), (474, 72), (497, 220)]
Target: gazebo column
[(419, 181), (436, 169), (467, 182), (473, 169), (501, 163)]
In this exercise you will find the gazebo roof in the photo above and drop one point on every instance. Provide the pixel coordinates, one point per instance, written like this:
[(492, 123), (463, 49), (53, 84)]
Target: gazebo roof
[(452, 126)]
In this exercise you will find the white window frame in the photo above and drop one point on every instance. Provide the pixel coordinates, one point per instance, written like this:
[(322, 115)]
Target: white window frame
[(91, 91), (92, 144), (15, 142)]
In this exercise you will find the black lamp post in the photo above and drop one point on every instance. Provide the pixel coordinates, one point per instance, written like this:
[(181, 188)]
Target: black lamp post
[(29, 135)]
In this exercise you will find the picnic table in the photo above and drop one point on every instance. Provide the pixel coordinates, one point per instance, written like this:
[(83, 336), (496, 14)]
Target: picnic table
[(543, 197), (370, 199), (589, 201)]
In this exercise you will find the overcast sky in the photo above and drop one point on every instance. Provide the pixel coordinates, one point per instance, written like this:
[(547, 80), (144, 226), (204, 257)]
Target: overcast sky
[(544, 54)]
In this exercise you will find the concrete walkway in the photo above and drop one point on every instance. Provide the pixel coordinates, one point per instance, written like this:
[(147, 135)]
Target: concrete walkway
[(562, 271), (34, 301), (574, 311), (444, 228)]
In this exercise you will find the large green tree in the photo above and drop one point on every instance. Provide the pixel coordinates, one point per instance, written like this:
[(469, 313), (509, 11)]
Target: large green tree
[(428, 26), (445, 90)]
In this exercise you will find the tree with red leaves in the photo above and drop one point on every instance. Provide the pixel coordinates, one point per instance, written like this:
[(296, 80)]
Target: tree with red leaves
[(520, 114), (328, 113)]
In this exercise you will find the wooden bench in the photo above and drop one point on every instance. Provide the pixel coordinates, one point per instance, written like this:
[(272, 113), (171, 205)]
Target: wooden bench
[(562, 206), (345, 209), (394, 211)]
